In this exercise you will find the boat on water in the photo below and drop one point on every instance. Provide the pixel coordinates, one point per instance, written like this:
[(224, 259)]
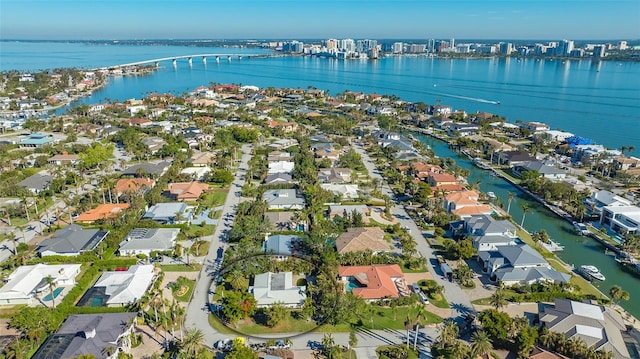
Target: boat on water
[(591, 272), (581, 228), (491, 195), (629, 264)]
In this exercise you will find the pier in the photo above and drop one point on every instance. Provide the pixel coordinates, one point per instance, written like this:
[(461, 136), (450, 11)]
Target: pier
[(189, 58)]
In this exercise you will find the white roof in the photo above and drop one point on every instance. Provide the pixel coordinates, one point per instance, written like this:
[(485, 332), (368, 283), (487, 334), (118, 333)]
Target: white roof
[(589, 331), (280, 167), (344, 190), (587, 310), (25, 280), (126, 287), (270, 288)]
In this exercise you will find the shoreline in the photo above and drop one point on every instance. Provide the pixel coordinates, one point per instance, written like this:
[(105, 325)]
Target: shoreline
[(630, 318)]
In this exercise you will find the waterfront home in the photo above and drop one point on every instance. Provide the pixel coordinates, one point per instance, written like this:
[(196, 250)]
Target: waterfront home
[(119, 288), (491, 242), (358, 239), (440, 110), (90, 334), (603, 198), (102, 212), (26, 282), (512, 158), (278, 178), (621, 219), (169, 213), (441, 179), (135, 185), (374, 282), (535, 127), (598, 326), (270, 288), (482, 225), (147, 240), (545, 171), (71, 241), (423, 170), (187, 191), (286, 199), (462, 129), (519, 264), (64, 159), (279, 244), (37, 183), (628, 165)]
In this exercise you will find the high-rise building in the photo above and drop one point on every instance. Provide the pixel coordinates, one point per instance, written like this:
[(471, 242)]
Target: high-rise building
[(366, 45), (506, 48), (397, 47), (417, 48), (347, 45), (599, 51), (431, 45), (331, 44), (452, 43), (622, 45), (564, 48)]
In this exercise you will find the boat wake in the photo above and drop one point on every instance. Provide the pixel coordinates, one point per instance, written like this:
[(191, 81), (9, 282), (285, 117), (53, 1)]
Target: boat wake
[(475, 99)]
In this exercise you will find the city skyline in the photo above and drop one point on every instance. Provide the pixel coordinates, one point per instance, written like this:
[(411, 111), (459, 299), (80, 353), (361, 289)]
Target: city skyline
[(145, 19)]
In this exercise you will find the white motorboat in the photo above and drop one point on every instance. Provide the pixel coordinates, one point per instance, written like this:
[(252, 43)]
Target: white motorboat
[(592, 272), (491, 195), (581, 228)]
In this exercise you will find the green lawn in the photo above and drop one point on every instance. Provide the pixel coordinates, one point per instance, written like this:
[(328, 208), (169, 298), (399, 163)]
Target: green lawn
[(383, 318), (181, 268), (440, 303), (411, 354), (213, 199), (203, 248), (196, 230), (187, 295)]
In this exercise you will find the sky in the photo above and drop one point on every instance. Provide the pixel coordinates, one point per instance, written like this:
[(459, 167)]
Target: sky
[(314, 19)]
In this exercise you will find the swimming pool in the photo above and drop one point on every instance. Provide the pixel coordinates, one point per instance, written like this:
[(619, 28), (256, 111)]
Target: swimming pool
[(351, 284), (56, 292)]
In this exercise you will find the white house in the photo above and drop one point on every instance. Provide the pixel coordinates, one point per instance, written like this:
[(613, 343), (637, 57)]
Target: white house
[(280, 167), (26, 282), (271, 288), (122, 288)]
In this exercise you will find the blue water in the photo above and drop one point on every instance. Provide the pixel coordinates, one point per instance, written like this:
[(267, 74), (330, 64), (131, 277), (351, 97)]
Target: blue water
[(56, 291), (595, 99), (351, 285)]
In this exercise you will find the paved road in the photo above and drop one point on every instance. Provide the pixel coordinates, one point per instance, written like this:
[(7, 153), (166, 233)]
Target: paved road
[(460, 303)]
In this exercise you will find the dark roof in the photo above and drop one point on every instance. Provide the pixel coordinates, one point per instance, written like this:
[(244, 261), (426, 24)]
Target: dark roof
[(147, 168), (278, 177), (85, 334), (72, 239), (38, 182)]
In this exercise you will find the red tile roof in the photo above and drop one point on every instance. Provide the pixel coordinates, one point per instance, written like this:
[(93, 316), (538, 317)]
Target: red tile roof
[(377, 280)]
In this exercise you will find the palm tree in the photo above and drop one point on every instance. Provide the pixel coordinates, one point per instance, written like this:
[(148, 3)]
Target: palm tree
[(52, 284), (192, 342), (509, 200), (525, 209), (617, 293), (498, 300), (480, 344), (353, 341), (449, 333)]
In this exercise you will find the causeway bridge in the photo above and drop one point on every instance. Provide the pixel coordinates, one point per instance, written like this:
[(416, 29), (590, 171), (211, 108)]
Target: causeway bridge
[(189, 58)]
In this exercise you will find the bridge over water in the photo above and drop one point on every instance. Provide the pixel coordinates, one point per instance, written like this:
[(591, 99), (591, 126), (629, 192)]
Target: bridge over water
[(174, 59)]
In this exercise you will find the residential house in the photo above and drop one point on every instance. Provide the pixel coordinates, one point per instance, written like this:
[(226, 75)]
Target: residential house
[(491, 242), (628, 165), (277, 156), (344, 191), (287, 199), (358, 239), (36, 183), (279, 244), (483, 225), (71, 241), (546, 171), (147, 240), (423, 170), (465, 204), (36, 140), (331, 154), (64, 159), (119, 288), (102, 212), (278, 178), (136, 185), (598, 326), (441, 179), (374, 282), (196, 173), (154, 144), (512, 158), (202, 159), (621, 219), (462, 129), (604, 198), (285, 221), (440, 110), (146, 169), (187, 191), (334, 175), (26, 282), (90, 334), (271, 288), (283, 143), (337, 210), (169, 213), (535, 126), (519, 264), (280, 167), (139, 122)]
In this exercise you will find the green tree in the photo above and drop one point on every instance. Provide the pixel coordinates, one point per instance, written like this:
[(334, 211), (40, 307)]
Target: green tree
[(52, 285), (275, 314), (192, 342), (480, 344), (617, 294), (498, 299)]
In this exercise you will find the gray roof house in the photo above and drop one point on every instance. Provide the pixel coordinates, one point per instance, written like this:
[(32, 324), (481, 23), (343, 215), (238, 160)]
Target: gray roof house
[(167, 213), (283, 199), (598, 326), (490, 242), (545, 171), (71, 241), (519, 264), (89, 334), (155, 169), (278, 178), (482, 225), (146, 240), (279, 244), (36, 183), (270, 288)]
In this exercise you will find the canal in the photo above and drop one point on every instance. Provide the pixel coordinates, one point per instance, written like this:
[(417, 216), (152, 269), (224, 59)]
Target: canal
[(578, 250)]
